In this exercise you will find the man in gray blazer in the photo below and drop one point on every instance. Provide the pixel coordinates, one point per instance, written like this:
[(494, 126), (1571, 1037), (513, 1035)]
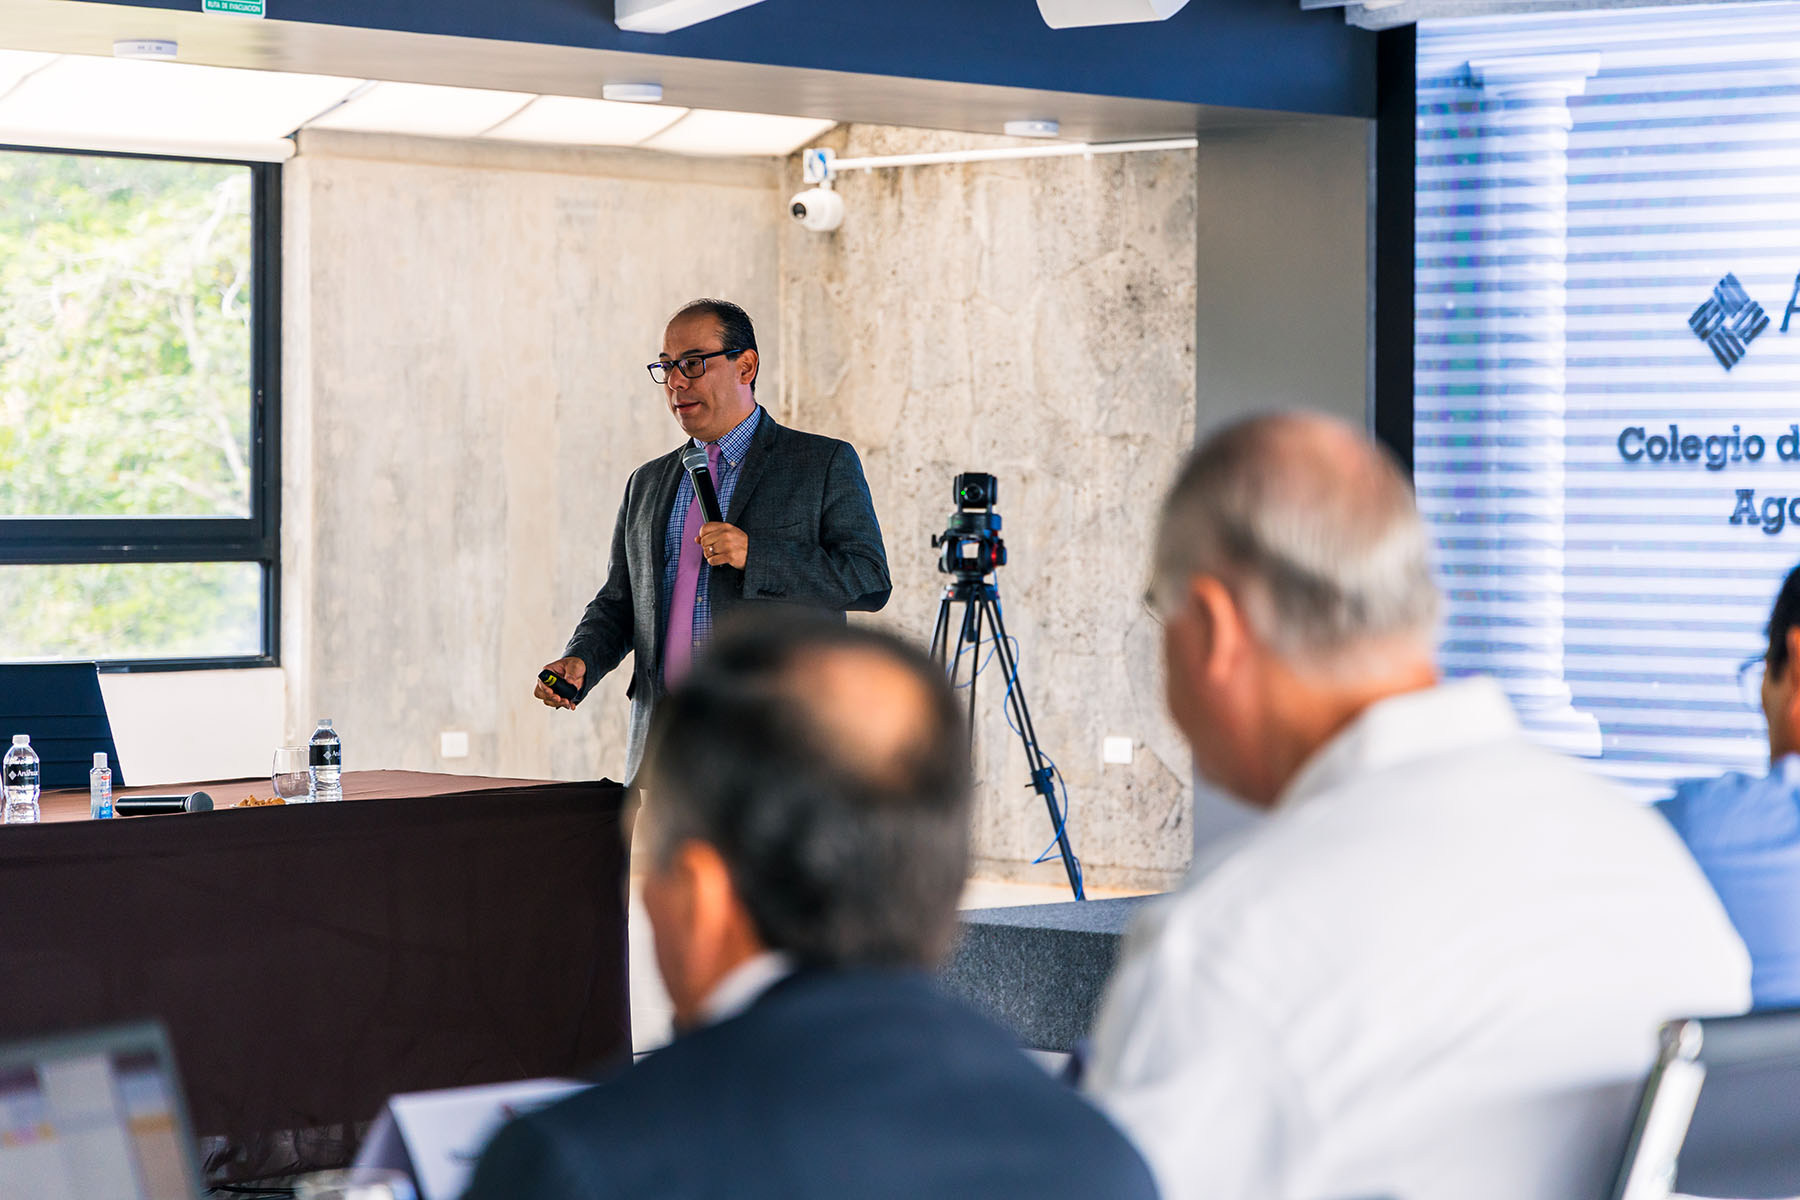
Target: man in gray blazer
[(799, 525)]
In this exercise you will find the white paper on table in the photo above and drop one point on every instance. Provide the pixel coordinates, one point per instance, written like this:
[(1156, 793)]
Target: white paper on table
[(436, 1136)]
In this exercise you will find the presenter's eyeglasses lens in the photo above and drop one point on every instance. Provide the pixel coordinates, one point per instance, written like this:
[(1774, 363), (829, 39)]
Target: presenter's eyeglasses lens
[(1750, 680), (693, 366)]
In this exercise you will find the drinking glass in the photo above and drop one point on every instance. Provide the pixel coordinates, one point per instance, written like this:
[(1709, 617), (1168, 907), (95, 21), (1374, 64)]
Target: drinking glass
[(358, 1183), (290, 777)]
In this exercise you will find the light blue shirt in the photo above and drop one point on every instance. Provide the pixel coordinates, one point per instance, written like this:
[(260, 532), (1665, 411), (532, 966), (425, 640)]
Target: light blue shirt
[(732, 448), (1744, 831)]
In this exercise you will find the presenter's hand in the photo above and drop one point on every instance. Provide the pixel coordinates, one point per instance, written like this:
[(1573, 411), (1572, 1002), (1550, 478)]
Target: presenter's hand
[(571, 669), (724, 545)]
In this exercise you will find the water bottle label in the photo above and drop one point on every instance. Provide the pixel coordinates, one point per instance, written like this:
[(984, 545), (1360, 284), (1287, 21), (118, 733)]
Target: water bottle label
[(21, 774), (327, 756)]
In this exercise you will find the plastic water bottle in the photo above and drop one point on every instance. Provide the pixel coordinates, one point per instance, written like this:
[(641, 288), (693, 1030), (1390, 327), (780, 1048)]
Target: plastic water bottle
[(19, 770), (326, 763), (100, 806)]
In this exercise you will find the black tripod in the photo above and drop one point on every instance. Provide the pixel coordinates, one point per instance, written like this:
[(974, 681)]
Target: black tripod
[(981, 603)]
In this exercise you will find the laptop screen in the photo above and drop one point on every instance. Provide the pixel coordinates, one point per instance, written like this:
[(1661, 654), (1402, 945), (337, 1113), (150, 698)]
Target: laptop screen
[(94, 1117)]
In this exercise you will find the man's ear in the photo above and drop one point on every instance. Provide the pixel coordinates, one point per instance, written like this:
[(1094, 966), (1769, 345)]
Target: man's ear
[(715, 914), (748, 364), (1224, 636), (1780, 683)]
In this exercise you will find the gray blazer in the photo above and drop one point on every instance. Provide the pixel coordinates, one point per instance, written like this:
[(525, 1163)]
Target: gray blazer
[(814, 540)]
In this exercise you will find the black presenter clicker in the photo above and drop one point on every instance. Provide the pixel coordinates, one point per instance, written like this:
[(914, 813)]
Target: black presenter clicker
[(560, 686)]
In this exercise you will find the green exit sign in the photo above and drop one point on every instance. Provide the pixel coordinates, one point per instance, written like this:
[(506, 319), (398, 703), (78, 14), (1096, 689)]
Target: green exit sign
[(237, 8)]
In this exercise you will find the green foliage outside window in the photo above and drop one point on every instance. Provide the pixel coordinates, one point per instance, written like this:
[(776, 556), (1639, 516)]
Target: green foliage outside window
[(125, 391)]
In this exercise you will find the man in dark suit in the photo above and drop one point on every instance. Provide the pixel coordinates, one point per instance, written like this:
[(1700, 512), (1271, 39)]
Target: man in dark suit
[(811, 834), (799, 526)]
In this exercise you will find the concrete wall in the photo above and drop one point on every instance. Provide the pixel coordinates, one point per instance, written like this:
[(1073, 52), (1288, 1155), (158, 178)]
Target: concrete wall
[(465, 397), (1282, 259), (466, 333), (1285, 305), (1034, 320)]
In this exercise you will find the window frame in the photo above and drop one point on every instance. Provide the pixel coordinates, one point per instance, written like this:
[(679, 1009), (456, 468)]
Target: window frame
[(52, 541), (1393, 250)]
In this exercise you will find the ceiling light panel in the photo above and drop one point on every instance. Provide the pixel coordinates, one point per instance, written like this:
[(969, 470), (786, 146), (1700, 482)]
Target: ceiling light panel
[(1065, 14), (573, 120), (175, 104), (666, 16), (709, 131), (425, 109), (17, 64)]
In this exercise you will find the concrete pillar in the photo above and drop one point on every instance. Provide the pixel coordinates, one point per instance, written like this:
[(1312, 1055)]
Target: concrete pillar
[(1283, 298)]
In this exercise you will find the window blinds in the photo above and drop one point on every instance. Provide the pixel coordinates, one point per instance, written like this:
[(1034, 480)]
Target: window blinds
[(1608, 242)]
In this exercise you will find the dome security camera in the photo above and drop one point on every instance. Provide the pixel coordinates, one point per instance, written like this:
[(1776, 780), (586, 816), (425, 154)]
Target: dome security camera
[(818, 209)]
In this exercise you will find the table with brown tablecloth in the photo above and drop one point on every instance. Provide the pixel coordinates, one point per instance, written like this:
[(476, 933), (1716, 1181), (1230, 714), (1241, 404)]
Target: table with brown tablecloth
[(311, 959)]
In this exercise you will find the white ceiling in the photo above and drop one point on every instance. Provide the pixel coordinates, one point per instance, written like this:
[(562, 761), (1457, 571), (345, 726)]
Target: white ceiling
[(419, 108), (86, 102), (574, 120), (357, 54)]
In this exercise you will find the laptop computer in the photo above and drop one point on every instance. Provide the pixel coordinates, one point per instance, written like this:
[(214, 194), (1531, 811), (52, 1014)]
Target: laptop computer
[(95, 1116), (61, 707)]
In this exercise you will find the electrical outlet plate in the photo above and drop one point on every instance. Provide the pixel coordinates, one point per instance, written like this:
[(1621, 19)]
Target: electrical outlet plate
[(453, 744)]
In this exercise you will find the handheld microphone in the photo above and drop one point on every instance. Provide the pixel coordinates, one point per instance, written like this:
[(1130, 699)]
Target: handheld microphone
[(694, 459), (150, 806)]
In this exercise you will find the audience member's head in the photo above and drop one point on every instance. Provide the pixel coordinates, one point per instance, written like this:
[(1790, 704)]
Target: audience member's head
[(1292, 579), (809, 794), (1781, 673)]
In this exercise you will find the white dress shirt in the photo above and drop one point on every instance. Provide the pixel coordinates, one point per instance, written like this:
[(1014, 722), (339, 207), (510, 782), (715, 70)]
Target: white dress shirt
[(1436, 971), (744, 985)]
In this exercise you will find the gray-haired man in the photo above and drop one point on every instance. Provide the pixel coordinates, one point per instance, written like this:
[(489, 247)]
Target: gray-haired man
[(1437, 968)]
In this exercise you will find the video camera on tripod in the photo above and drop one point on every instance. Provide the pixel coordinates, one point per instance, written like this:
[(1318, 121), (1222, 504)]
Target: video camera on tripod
[(969, 550), (970, 545)]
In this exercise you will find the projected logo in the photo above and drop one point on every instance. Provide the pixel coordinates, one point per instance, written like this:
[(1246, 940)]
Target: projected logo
[(1729, 321)]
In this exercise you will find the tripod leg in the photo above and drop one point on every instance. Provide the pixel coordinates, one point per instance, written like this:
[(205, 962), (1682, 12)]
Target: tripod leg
[(1042, 774), (953, 666), (972, 632), (940, 634)]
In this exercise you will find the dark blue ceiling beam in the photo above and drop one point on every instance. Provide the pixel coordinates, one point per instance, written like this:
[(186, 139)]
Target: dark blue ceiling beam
[(1255, 54)]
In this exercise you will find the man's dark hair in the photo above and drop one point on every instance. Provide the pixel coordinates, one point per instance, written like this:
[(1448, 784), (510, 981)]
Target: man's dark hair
[(1783, 617), (738, 331), (841, 857)]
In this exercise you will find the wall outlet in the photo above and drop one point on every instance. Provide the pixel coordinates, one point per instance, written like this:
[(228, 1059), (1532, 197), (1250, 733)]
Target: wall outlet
[(1116, 750), (453, 744)]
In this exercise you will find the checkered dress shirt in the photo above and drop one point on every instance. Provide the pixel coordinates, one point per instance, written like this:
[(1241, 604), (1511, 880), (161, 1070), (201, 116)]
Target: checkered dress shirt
[(732, 448)]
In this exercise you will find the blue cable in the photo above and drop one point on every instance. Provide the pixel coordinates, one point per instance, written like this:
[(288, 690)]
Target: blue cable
[(976, 648)]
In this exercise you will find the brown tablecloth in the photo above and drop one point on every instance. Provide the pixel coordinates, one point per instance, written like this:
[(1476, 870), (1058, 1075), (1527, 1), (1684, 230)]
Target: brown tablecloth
[(310, 960)]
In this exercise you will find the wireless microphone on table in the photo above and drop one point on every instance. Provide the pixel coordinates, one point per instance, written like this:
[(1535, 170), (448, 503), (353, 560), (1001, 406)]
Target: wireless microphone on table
[(694, 459), (150, 806)]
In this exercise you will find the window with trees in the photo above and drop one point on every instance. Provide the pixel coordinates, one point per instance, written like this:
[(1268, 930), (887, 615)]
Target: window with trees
[(139, 465)]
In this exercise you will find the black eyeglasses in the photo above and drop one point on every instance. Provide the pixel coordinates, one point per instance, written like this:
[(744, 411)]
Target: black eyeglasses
[(1750, 679), (693, 366)]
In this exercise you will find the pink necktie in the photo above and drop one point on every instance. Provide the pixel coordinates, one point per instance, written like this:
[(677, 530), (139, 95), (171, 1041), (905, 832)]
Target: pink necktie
[(678, 645)]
